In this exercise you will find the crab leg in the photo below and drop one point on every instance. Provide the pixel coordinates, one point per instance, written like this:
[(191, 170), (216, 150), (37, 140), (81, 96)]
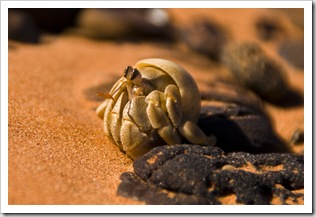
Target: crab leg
[(159, 120), (195, 135), (106, 107), (135, 141), (116, 117), (173, 104)]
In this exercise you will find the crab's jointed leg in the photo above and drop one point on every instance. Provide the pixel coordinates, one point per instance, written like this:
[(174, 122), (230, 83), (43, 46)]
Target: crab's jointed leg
[(195, 135), (115, 119), (135, 142), (173, 104), (158, 118)]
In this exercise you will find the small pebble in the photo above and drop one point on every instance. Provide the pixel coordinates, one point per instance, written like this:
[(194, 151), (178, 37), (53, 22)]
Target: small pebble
[(228, 167), (253, 69), (205, 37)]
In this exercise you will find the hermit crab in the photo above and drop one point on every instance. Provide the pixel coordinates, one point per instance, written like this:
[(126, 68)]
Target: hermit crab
[(156, 102)]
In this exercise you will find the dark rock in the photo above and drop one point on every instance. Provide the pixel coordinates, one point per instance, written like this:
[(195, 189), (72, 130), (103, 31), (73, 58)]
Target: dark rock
[(240, 128), (52, 20), (21, 27), (292, 99), (132, 185), (205, 37), (254, 70), (192, 174), (250, 133), (293, 52)]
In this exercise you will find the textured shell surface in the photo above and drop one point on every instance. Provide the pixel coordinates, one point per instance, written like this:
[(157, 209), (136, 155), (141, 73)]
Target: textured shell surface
[(190, 94)]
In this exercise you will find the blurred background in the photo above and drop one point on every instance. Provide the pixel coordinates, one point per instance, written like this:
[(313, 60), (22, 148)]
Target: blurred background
[(204, 31)]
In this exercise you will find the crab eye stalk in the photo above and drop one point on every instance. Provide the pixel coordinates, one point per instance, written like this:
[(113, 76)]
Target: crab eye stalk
[(136, 77), (133, 75), (127, 72)]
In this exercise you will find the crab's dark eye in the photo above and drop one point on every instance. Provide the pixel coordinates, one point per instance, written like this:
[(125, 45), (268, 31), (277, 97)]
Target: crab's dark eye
[(134, 74), (128, 71), (131, 74)]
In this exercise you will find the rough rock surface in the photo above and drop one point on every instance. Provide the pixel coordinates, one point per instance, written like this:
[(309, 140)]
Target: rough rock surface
[(191, 174)]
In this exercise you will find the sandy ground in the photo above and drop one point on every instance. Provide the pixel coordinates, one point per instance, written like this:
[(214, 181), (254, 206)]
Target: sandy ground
[(58, 153)]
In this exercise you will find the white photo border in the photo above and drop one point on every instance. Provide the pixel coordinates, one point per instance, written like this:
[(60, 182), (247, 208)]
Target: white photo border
[(308, 151)]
